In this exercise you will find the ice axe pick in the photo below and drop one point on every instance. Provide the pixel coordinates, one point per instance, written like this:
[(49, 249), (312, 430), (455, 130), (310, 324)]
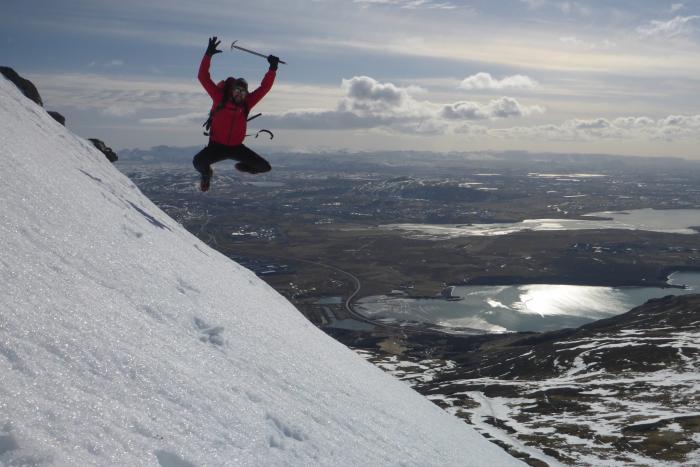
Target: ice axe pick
[(234, 46)]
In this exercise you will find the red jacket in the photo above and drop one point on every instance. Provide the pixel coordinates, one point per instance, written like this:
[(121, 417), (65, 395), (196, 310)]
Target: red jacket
[(228, 126)]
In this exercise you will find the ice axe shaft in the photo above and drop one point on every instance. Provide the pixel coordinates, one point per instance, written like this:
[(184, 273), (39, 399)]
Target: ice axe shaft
[(234, 46)]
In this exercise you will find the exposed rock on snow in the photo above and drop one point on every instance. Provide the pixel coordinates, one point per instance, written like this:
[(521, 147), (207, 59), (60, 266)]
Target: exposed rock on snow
[(104, 149), (27, 87)]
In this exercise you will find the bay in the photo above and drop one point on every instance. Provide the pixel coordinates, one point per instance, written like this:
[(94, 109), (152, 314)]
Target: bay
[(530, 307)]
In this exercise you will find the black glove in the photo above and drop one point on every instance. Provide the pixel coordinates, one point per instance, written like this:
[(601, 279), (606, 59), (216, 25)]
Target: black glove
[(213, 44), (273, 61)]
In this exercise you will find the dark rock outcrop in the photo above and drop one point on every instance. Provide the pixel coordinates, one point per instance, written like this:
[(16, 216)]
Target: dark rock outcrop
[(24, 85), (58, 117), (106, 150)]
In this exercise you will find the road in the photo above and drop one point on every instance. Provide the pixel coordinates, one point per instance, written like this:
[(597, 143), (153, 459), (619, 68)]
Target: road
[(351, 297), (348, 303)]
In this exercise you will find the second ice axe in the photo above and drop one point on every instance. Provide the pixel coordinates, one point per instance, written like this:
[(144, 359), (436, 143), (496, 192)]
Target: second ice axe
[(234, 46)]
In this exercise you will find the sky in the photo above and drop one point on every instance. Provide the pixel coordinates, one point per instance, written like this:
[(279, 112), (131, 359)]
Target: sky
[(614, 77)]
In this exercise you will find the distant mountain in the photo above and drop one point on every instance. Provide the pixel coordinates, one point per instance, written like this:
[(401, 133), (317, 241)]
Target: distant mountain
[(443, 163), (124, 340), (160, 155)]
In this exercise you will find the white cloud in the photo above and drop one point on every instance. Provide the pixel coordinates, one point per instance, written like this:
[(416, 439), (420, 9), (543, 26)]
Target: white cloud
[(483, 81), (503, 107), (368, 97), (363, 90), (368, 103), (671, 28), (671, 128), (678, 126)]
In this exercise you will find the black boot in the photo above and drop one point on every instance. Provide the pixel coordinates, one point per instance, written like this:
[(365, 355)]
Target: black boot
[(206, 179)]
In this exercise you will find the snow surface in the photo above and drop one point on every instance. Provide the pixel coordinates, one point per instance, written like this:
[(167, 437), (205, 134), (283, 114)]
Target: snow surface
[(124, 340)]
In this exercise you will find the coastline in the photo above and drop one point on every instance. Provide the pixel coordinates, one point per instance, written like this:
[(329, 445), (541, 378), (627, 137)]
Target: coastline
[(552, 280)]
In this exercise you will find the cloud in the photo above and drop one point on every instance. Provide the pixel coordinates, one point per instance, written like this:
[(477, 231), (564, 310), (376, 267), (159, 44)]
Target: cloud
[(678, 126), (671, 128), (325, 120), (671, 28), (410, 4), (367, 96), (483, 81), (563, 6), (573, 41), (120, 97), (177, 120), (365, 90), (503, 107), (368, 103)]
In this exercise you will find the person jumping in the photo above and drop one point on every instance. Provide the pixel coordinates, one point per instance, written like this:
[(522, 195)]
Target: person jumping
[(227, 122)]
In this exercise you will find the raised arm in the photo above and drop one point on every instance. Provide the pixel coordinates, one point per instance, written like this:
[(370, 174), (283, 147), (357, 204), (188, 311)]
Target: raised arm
[(266, 84), (203, 74)]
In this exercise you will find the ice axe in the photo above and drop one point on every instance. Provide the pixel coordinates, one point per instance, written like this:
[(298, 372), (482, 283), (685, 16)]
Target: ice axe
[(234, 46)]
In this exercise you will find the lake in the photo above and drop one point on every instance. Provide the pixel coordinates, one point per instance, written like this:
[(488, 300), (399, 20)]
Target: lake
[(531, 307), (677, 221)]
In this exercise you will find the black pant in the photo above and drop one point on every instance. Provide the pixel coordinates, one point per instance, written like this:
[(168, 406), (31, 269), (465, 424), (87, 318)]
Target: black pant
[(248, 160)]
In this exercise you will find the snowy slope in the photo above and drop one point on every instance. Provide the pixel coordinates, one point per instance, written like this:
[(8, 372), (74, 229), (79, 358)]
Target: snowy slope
[(124, 340)]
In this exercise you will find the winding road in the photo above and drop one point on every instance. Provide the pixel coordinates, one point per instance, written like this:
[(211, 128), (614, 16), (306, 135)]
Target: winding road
[(351, 297)]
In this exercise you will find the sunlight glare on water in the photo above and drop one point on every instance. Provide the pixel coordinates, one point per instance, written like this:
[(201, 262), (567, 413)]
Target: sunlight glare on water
[(548, 300), (531, 307)]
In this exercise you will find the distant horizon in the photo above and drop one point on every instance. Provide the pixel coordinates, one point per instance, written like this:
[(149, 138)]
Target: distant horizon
[(326, 151), (585, 76)]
